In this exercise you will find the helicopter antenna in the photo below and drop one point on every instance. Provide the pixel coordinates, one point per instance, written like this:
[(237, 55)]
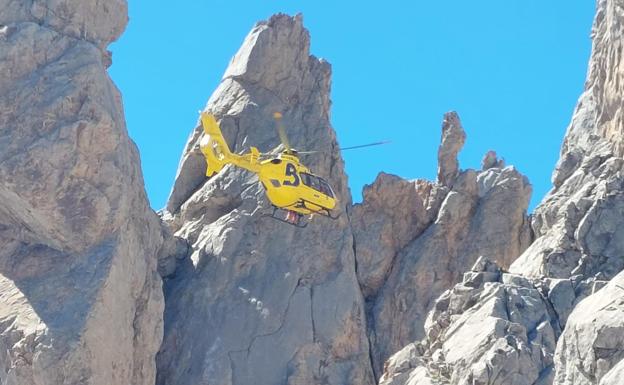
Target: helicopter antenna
[(281, 131)]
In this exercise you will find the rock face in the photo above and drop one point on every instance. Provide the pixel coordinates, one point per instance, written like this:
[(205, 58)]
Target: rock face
[(578, 247), (413, 239), (80, 298), (394, 212), (579, 225), (591, 349), (493, 328), (259, 301)]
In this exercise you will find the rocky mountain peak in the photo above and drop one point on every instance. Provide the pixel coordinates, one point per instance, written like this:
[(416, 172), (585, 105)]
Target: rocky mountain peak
[(576, 220), (596, 126), (413, 237), (259, 285), (273, 64), (490, 160), (390, 243), (281, 41)]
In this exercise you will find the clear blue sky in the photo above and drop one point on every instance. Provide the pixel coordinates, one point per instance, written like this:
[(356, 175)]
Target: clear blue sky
[(512, 69)]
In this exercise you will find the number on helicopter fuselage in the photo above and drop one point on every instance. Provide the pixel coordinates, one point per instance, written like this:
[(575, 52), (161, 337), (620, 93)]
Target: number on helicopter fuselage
[(291, 171)]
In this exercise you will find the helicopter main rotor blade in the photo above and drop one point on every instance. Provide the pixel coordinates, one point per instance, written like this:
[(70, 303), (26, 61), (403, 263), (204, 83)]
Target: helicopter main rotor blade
[(281, 131), (346, 148), (365, 145)]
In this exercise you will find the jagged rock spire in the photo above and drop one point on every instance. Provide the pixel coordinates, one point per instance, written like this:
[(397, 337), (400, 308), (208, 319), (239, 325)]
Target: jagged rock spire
[(260, 302), (453, 138)]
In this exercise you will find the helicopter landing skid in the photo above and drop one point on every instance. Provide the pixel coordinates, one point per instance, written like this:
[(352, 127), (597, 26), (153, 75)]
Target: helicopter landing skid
[(290, 217), (327, 214)]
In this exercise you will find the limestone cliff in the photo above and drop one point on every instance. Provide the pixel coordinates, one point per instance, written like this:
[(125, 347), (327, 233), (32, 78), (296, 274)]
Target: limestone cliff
[(578, 226), (80, 298)]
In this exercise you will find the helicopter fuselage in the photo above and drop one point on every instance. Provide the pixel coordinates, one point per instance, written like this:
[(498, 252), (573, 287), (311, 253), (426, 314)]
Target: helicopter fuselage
[(289, 184)]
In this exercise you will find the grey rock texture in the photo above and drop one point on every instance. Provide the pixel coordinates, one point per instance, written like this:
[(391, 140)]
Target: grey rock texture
[(591, 348), (393, 213), (490, 159), (413, 239), (80, 297), (493, 328), (251, 300), (259, 301), (614, 376)]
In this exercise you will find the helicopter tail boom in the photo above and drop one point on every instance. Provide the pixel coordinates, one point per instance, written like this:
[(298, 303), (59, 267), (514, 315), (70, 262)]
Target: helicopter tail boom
[(218, 153)]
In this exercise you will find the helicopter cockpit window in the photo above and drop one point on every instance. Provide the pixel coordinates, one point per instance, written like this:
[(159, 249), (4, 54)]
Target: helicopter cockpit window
[(310, 180), (325, 189), (316, 183)]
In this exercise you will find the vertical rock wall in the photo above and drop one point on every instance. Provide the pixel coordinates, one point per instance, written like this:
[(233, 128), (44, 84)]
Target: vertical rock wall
[(579, 225), (80, 299)]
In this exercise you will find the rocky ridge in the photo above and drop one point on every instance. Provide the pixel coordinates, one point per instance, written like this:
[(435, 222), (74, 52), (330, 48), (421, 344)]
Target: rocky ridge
[(412, 239), (577, 251)]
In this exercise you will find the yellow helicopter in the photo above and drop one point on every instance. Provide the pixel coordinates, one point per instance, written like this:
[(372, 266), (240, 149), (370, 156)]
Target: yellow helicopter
[(291, 187)]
